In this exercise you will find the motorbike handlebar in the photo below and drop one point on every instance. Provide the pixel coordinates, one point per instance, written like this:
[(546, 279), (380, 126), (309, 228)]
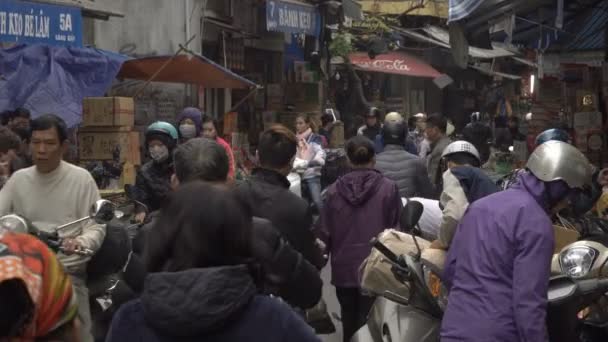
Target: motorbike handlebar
[(385, 251), (81, 251)]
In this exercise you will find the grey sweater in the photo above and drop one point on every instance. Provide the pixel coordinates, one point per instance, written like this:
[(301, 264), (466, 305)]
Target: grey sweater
[(52, 199)]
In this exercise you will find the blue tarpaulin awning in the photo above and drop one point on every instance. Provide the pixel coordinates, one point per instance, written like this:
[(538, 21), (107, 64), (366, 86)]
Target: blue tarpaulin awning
[(52, 79)]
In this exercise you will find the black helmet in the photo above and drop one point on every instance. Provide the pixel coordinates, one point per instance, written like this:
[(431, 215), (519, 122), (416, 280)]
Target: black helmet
[(393, 132)]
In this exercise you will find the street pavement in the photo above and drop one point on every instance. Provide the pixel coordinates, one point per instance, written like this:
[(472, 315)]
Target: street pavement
[(329, 294)]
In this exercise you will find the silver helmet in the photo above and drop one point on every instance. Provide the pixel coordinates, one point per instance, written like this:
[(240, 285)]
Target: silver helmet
[(557, 160), (461, 146)]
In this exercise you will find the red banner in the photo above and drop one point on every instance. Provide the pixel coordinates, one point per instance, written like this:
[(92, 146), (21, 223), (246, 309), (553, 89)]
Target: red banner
[(398, 63)]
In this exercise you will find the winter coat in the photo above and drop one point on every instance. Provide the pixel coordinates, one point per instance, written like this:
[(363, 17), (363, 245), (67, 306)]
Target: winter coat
[(406, 170), (231, 163), (285, 272), (434, 159), (217, 304), (498, 267), (153, 184), (314, 157), (479, 135), (408, 145), (462, 186), (358, 207), (267, 193), (370, 132)]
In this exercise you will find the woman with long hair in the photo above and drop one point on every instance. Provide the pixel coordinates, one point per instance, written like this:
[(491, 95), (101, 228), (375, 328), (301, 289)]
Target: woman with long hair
[(202, 285)]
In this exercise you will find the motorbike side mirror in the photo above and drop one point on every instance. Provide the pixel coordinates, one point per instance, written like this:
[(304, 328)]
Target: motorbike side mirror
[(14, 223), (410, 216), (102, 211)]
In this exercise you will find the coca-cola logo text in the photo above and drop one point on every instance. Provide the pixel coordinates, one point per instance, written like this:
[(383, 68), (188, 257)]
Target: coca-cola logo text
[(385, 64)]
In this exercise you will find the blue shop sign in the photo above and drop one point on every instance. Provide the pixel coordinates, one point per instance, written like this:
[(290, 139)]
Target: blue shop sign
[(28, 22), (291, 17)]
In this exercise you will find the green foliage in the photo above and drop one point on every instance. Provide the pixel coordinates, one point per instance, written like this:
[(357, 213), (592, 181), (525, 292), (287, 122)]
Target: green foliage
[(341, 45)]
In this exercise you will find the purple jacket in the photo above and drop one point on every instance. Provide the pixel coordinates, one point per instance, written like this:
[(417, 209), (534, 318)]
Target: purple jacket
[(498, 266), (358, 207)]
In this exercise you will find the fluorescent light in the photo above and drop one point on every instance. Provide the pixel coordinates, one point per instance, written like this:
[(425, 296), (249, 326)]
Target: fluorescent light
[(532, 79)]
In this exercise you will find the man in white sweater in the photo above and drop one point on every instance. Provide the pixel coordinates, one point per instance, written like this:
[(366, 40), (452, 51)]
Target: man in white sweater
[(53, 192)]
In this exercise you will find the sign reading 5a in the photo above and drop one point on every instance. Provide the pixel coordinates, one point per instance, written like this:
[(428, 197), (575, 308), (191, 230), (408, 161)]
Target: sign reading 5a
[(33, 23)]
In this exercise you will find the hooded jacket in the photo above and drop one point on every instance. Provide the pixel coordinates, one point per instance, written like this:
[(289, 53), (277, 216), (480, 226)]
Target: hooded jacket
[(207, 304), (358, 207), (193, 114), (406, 170), (153, 184), (498, 267)]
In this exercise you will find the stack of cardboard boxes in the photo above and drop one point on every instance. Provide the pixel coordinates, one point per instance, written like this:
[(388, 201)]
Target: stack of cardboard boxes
[(107, 129)]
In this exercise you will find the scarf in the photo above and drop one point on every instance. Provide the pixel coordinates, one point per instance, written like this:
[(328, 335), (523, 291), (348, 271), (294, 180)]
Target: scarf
[(304, 152), (24, 257)]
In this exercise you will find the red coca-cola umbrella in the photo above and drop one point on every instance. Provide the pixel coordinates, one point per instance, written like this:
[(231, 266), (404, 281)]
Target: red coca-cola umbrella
[(399, 63)]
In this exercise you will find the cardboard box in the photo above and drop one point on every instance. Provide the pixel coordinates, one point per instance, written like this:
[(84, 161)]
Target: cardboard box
[(108, 111), (564, 237), (99, 143)]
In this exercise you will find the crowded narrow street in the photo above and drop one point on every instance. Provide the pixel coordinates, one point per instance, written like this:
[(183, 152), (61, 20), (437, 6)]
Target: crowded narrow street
[(304, 170)]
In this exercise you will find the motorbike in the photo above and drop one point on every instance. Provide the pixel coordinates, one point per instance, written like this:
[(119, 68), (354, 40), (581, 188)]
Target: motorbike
[(416, 315), (585, 317), (412, 316), (101, 212), (109, 291)]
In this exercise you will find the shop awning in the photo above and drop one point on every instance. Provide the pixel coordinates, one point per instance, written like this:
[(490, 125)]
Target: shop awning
[(398, 63), (192, 69)]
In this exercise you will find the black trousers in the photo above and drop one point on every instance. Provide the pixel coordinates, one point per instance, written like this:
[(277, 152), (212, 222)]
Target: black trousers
[(354, 308)]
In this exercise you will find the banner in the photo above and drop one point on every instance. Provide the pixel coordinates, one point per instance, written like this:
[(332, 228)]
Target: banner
[(291, 17), (27, 22)]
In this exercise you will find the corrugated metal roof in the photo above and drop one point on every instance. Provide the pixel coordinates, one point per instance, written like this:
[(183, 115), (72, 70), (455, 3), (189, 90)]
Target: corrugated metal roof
[(591, 35)]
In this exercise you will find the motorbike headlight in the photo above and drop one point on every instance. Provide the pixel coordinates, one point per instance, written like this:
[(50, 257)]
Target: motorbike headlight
[(435, 287), (576, 262)]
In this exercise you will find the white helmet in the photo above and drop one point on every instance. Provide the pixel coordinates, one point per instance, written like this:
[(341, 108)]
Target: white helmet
[(393, 117), (557, 160), (461, 146)]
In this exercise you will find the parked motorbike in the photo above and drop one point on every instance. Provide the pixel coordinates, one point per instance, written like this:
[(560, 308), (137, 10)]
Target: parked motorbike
[(585, 316), (416, 316)]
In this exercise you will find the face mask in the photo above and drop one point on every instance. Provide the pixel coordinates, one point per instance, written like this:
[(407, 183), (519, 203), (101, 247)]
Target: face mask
[(187, 131), (159, 153)]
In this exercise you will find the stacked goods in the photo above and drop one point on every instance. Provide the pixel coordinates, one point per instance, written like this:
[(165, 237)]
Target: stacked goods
[(107, 134)]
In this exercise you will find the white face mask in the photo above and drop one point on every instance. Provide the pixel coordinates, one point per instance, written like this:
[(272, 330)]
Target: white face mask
[(188, 131), (159, 153)]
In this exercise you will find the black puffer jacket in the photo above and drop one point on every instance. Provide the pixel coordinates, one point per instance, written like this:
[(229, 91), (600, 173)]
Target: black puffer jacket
[(218, 304), (405, 169), (267, 193), (153, 183), (285, 272)]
